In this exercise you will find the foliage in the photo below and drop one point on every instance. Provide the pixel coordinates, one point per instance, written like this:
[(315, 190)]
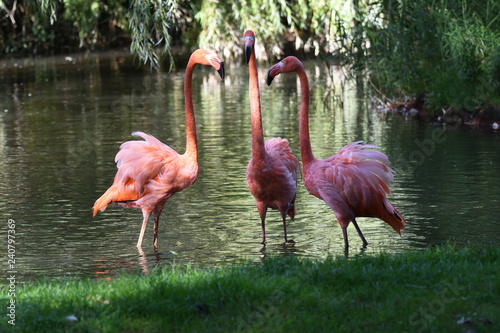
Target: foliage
[(150, 22), (48, 26), (14, 38), (66, 25), (445, 289), (281, 26), (85, 15), (472, 50), (445, 48)]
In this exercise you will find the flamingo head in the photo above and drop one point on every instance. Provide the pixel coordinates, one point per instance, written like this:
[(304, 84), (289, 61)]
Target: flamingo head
[(249, 43), (287, 65), (209, 58)]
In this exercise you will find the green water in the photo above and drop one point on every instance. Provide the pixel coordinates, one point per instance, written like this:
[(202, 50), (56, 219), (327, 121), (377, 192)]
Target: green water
[(62, 121)]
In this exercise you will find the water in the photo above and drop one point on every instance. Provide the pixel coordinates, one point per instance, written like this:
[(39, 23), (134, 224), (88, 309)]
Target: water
[(62, 121)]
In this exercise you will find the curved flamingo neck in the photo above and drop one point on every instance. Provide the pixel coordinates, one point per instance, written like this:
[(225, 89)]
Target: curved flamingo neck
[(191, 141), (305, 140), (258, 148)]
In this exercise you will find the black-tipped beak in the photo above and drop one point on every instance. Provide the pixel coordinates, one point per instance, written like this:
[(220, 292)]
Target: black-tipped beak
[(221, 70), (248, 52), (269, 78)]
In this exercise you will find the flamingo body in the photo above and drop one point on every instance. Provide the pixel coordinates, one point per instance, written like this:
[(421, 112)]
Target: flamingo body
[(272, 180), (355, 181), (149, 171), (272, 170)]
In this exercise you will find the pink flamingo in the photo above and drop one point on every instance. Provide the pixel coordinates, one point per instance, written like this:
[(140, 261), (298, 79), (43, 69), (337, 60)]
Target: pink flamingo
[(150, 172), (354, 182), (272, 171)]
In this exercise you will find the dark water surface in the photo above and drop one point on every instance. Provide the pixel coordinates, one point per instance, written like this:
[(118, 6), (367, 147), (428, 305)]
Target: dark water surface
[(62, 121)]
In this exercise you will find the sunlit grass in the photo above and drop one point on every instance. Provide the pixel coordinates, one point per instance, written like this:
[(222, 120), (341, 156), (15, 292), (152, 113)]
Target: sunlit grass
[(442, 289)]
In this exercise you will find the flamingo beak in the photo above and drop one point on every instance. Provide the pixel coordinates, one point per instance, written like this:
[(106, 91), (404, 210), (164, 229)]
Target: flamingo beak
[(269, 77), (274, 71), (221, 70), (249, 40), (213, 61), (248, 52)]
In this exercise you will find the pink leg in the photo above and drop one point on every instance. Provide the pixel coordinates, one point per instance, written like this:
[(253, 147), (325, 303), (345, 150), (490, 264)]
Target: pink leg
[(155, 232), (346, 241), (263, 221), (143, 229), (283, 215), (360, 233), (284, 228), (157, 213), (262, 212)]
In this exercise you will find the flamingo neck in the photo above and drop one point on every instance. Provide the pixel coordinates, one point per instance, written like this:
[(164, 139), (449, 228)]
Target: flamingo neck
[(258, 148), (191, 141), (305, 140)]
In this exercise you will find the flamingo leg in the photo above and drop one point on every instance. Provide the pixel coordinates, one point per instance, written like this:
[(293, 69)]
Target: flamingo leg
[(346, 241), (263, 221), (143, 229), (284, 226), (155, 231), (262, 212), (157, 213), (365, 243)]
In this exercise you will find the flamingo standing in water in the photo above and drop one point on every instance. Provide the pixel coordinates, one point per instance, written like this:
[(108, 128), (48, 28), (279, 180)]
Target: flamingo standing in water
[(272, 171), (150, 172), (354, 182)]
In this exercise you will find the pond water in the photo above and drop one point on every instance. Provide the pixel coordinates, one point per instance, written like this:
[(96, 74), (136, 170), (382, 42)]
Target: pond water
[(63, 119)]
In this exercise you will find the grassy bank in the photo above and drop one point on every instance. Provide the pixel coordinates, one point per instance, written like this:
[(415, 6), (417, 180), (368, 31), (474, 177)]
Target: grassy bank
[(444, 289)]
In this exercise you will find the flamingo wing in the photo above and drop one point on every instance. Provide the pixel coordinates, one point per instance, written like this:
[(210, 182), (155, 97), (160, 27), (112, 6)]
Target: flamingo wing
[(361, 177), (140, 161), (280, 150), (142, 165)]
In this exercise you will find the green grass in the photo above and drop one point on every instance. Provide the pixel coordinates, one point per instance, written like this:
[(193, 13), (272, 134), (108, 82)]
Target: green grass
[(418, 291)]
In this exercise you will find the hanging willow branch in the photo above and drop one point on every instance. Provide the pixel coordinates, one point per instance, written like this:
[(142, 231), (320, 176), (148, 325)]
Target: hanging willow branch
[(49, 5), (149, 23)]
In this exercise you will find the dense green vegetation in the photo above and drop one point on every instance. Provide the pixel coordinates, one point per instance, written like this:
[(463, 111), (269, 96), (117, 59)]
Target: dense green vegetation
[(445, 289), (445, 50)]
